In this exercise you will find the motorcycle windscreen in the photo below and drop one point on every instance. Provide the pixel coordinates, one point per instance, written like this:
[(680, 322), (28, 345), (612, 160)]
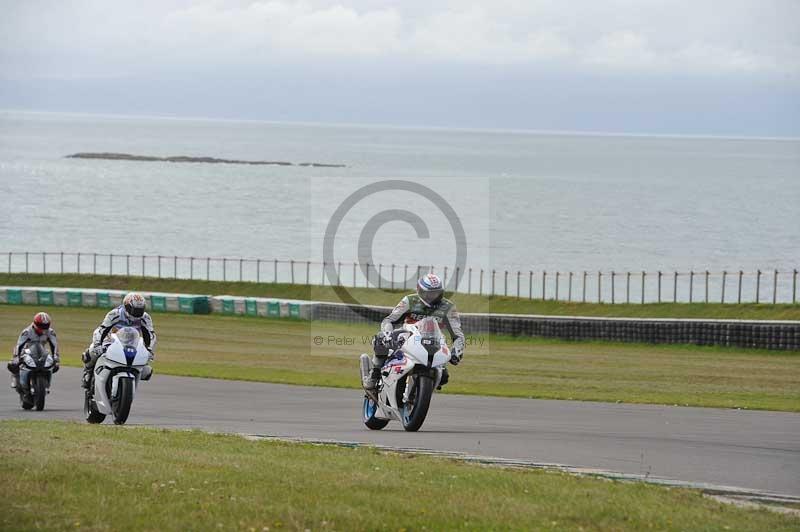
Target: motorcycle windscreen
[(432, 339)]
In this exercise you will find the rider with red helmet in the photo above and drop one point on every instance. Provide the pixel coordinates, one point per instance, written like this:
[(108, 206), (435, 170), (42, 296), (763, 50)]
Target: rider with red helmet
[(39, 331)]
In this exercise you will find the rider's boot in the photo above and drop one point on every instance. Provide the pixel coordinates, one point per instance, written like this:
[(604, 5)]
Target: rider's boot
[(445, 378), (86, 378), (371, 383), (13, 368), (88, 366)]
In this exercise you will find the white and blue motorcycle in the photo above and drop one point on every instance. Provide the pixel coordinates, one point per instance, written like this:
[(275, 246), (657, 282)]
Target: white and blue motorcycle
[(36, 368), (116, 376), (409, 377)]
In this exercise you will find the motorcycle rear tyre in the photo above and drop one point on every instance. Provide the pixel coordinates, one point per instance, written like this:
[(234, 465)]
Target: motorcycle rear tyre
[(370, 420)]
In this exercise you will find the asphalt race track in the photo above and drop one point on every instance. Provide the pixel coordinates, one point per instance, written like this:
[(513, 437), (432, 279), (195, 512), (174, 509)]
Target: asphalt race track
[(751, 450)]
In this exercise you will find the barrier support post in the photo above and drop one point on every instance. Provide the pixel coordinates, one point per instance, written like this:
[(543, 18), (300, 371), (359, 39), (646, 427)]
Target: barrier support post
[(556, 292), (722, 296), (583, 287), (758, 286), (599, 286), (643, 276), (775, 288), (675, 288), (569, 288), (739, 297)]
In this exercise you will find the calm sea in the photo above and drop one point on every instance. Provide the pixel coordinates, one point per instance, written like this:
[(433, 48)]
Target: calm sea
[(525, 200)]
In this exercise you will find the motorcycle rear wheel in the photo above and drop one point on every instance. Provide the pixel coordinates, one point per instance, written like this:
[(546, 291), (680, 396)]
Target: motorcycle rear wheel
[(370, 408), (25, 404), (416, 410)]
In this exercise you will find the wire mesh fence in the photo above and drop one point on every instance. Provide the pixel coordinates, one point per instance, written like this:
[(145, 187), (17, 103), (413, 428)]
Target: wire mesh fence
[(613, 287)]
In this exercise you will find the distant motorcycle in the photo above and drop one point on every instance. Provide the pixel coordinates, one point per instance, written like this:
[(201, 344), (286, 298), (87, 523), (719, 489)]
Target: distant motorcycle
[(35, 374), (116, 376), (409, 376)]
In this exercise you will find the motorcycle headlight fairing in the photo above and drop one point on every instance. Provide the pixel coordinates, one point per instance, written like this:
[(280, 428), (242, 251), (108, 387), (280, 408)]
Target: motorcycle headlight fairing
[(28, 361)]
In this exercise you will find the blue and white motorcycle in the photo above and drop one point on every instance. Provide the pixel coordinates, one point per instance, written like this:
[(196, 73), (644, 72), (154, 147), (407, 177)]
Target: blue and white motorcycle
[(412, 371), (116, 376), (36, 368)]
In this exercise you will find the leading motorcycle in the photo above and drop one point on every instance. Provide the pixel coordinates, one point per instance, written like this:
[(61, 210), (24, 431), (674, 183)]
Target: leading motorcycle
[(116, 376), (411, 373)]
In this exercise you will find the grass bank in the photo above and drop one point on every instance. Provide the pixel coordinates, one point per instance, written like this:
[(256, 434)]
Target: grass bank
[(326, 354), (372, 296), (169, 480)]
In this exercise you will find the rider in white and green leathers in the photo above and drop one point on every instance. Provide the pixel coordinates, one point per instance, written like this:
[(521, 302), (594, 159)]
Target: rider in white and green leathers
[(428, 301)]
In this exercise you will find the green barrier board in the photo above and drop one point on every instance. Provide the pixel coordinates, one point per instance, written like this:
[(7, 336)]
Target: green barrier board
[(227, 306), (44, 297), (194, 304), (202, 305), (14, 297), (103, 299), (158, 303), (250, 307), (294, 310), (74, 299), (274, 309), (186, 305)]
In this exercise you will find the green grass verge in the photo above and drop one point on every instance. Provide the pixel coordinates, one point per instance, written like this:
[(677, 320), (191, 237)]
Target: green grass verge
[(371, 296), (68, 476), (285, 351)]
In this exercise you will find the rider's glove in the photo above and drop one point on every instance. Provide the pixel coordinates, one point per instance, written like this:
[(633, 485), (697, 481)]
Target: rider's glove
[(98, 350), (151, 355), (56, 363), (386, 338), (457, 354)]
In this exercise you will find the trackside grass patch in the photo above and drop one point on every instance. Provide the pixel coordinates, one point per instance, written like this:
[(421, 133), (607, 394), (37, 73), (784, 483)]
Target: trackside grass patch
[(68, 476)]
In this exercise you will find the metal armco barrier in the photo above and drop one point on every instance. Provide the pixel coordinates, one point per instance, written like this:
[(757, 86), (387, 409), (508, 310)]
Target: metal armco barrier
[(782, 335)]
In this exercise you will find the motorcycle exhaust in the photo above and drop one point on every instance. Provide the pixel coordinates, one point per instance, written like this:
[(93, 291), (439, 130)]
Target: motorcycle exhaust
[(365, 362)]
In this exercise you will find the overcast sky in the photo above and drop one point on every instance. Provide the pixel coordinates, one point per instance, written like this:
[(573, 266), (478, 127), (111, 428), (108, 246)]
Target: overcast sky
[(728, 67)]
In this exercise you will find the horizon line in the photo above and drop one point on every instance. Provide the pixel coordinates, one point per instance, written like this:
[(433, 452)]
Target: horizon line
[(366, 125)]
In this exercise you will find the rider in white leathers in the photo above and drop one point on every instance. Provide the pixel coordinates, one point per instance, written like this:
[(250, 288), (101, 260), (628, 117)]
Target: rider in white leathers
[(130, 314)]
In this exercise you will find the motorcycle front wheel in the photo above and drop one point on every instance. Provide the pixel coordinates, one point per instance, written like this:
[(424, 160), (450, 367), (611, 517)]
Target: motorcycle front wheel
[(121, 406), (40, 388), (416, 408)]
